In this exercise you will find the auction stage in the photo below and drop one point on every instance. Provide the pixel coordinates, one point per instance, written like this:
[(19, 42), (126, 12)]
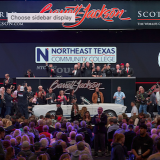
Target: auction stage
[(85, 86)]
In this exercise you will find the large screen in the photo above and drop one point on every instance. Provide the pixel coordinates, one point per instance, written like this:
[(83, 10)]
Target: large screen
[(16, 58)]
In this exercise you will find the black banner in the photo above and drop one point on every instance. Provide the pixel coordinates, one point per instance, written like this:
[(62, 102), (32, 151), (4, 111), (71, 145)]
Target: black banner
[(85, 87), (89, 15)]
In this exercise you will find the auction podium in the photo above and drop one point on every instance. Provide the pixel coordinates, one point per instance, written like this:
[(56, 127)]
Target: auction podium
[(85, 86)]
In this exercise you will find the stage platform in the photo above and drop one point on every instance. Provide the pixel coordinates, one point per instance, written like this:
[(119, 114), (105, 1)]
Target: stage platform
[(84, 86)]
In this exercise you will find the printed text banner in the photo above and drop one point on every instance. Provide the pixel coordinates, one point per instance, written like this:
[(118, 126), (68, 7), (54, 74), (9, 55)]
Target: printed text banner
[(89, 14), (75, 54)]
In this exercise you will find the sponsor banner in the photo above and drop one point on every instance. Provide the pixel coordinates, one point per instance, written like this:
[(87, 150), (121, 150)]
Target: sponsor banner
[(85, 87), (75, 54), (144, 58), (88, 14), (41, 17)]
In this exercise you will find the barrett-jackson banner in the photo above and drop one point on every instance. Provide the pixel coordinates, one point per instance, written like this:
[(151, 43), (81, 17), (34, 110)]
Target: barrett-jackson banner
[(88, 15), (85, 87)]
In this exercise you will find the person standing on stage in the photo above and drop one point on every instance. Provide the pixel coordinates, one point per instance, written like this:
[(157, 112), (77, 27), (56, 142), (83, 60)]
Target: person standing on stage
[(29, 73), (22, 97), (97, 72), (79, 69), (76, 72), (97, 96), (143, 101), (117, 71), (1, 100), (137, 95), (108, 71), (41, 95), (99, 120), (103, 70), (8, 99), (50, 70), (123, 72), (152, 103), (158, 101), (15, 100), (119, 96), (7, 81), (72, 97), (62, 98), (129, 71), (87, 69), (50, 97)]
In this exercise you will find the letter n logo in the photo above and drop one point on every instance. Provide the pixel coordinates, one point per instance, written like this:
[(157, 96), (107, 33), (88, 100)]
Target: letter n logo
[(41, 55)]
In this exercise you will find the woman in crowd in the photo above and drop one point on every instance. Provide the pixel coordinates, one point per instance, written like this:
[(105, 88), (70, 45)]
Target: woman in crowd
[(10, 155), (64, 156), (6, 144), (82, 112), (58, 151), (9, 123), (41, 98), (87, 118), (72, 97), (118, 151), (75, 113), (42, 157), (18, 139), (65, 139), (25, 138), (62, 98)]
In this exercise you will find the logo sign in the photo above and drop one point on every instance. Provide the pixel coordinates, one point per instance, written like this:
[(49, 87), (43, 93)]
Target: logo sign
[(68, 85), (85, 12), (75, 54)]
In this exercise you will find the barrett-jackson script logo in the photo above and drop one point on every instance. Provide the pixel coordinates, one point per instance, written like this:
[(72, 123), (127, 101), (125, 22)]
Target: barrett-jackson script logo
[(81, 13), (75, 85)]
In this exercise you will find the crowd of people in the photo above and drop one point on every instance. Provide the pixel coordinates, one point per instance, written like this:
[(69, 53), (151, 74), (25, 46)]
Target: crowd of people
[(81, 137), (90, 70), (47, 137)]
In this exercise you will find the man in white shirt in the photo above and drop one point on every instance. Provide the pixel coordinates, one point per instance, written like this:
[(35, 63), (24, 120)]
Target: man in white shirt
[(134, 111), (158, 101)]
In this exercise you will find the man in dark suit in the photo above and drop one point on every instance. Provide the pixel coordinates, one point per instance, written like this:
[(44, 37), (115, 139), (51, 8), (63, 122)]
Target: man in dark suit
[(123, 72), (117, 71), (23, 100), (129, 71), (50, 70), (76, 72), (100, 120), (80, 69), (8, 100), (29, 73), (7, 81)]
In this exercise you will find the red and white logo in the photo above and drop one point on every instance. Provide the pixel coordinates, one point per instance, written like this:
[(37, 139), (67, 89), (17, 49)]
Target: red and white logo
[(82, 13)]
